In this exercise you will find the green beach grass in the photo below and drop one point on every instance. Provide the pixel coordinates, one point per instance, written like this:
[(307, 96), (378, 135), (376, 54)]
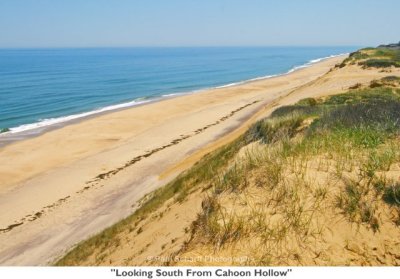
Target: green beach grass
[(353, 135), (374, 57)]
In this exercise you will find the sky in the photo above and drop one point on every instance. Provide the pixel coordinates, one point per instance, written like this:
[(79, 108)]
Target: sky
[(114, 23)]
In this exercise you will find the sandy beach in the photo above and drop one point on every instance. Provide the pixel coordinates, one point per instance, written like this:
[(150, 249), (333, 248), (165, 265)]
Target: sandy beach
[(63, 186)]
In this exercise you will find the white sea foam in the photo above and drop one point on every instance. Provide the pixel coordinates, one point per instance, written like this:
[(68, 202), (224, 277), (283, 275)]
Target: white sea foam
[(59, 120), (245, 81), (231, 84), (308, 64), (311, 62)]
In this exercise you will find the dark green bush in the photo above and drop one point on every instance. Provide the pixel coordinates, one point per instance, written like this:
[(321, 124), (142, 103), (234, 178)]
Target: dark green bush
[(379, 63), (272, 131), (391, 78), (358, 55), (308, 101), (392, 195)]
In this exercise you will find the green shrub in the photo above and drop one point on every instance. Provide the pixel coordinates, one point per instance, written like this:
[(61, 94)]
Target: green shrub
[(390, 78), (296, 109), (375, 84), (392, 194), (379, 63), (358, 55), (275, 129), (308, 101)]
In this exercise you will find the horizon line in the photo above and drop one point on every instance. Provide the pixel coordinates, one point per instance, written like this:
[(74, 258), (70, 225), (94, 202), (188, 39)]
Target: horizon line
[(173, 46)]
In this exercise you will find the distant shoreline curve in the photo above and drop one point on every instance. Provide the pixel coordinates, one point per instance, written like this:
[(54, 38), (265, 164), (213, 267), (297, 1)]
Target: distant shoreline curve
[(34, 129)]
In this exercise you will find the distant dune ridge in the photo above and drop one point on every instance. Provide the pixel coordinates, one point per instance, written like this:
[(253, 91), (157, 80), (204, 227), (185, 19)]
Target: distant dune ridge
[(393, 46), (316, 182), (300, 169)]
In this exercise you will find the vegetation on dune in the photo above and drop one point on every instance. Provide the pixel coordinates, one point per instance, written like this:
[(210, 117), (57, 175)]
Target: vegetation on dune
[(379, 63), (392, 194), (203, 171), (352, 136), (308, 171), (381, 57), (359, 130)]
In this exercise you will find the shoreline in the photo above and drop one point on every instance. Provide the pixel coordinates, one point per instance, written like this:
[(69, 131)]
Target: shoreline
[(87, 176), (31, 130)]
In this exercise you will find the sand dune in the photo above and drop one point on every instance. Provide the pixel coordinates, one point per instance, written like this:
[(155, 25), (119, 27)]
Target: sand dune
[(255, 206), (65, 185)]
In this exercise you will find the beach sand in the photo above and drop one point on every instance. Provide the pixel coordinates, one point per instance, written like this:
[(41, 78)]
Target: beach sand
[(63, 186)]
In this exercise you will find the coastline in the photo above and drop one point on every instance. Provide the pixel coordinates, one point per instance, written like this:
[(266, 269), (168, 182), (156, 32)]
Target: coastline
[(86, 176), (31, 130)]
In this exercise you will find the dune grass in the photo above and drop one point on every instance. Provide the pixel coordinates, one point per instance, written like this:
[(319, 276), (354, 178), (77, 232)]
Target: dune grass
[(365, 121), (357, 130), (179, 188), (374, 57), (351, 136)]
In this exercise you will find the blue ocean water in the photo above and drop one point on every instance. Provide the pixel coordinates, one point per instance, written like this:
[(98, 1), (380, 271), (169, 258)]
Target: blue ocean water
[(40, 87)]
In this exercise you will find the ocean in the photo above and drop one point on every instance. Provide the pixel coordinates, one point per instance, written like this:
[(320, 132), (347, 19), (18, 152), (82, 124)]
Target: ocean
[(42, 87)]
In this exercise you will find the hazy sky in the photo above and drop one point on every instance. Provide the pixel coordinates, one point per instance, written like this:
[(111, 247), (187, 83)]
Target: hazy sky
[(86, 23)]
